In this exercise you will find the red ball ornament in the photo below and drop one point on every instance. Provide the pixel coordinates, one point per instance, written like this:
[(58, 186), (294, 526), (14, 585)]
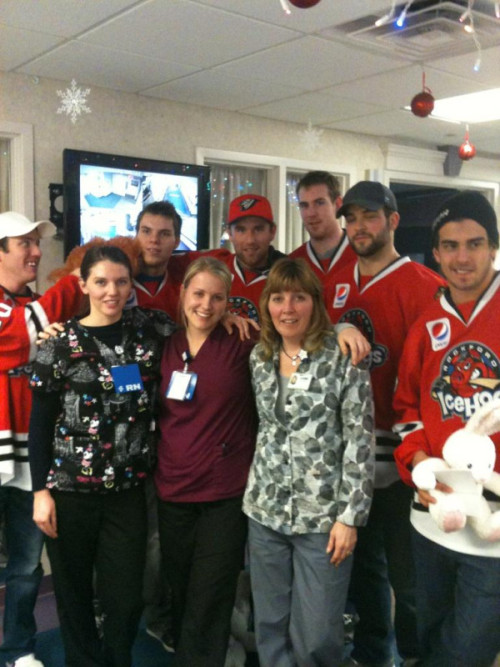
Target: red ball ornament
[(466, 150), (422, 104), (303, 4)]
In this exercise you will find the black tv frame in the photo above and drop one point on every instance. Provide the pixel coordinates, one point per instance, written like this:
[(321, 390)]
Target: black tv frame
[(74, 158)]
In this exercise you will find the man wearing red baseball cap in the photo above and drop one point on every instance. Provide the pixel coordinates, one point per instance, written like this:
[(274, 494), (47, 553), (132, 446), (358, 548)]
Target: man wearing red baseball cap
[(251, 230)]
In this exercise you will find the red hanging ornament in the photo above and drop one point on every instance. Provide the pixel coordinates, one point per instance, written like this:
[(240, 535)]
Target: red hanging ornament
[(303, 4), (466, 150), (423, 103)]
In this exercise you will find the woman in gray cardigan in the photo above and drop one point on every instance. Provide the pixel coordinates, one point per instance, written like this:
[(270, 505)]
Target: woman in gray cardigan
[(310, 484)]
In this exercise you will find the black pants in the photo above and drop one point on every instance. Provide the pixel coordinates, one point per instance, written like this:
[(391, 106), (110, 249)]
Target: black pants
[(105, 534), (202, 547)]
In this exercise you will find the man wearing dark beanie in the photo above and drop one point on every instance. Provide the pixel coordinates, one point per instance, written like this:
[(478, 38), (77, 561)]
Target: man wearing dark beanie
[(468, 204), (451, 367)]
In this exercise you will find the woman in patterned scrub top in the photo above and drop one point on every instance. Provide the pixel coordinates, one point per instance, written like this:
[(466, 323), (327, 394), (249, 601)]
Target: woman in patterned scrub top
[(92, 429), (310, 483)]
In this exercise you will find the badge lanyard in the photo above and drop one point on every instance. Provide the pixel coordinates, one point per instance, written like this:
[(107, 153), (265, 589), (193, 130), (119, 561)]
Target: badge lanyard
[(182, 383)]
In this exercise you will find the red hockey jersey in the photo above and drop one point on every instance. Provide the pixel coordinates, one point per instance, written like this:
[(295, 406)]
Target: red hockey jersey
[(383, 310), (20, 319), (449, 368), (343, 256), (245, 293)]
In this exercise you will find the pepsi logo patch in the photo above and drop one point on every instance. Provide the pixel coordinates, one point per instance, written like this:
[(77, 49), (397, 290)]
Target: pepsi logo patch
[(439, 332), (341, 293)]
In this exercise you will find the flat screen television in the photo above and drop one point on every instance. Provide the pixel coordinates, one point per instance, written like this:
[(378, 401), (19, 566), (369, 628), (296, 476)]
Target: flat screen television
[(103, 194)]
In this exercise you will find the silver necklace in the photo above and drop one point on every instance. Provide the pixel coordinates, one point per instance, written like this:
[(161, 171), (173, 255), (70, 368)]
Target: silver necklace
[(295, 358)]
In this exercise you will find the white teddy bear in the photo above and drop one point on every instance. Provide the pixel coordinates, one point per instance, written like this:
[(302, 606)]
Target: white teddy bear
[(468, 449)]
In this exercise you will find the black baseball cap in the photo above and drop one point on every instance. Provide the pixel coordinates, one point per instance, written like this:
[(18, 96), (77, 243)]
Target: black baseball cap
[(370, 195)]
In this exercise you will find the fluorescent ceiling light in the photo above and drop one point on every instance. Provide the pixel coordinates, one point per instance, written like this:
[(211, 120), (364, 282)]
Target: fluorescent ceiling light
[(472, 108)]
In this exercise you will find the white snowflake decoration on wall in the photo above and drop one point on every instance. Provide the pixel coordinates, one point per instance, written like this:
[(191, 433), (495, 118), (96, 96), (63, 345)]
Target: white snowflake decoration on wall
[(74, 101), (310, 138)]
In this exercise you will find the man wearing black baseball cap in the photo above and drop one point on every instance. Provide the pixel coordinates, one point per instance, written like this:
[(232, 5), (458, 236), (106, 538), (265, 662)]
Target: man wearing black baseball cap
[(450, 367), (383, 293), (370, 195), (22, 314)]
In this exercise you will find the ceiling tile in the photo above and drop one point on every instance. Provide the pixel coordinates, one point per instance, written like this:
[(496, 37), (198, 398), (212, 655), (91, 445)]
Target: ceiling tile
[(188, 33), (221, 91), (123, 71), (318, 108), (310, 63), (463, 66), (18, 46), (396, 89), (59, 17), (325, 14)]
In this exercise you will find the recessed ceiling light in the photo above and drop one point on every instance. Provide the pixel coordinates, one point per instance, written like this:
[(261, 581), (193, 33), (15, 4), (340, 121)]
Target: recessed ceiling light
[(472, 108)]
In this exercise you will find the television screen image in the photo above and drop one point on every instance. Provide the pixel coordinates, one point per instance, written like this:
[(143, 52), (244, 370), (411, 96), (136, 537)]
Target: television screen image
[(104, 194)]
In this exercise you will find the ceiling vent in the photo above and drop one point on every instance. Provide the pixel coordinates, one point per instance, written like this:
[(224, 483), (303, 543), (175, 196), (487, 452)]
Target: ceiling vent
[(432, 30)]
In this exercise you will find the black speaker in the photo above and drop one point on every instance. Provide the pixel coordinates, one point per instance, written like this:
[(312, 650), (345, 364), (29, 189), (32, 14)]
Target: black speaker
[(56, 213), (452, 163)]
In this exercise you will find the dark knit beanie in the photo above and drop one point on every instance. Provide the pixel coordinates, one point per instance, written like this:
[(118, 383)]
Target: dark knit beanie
[(467, 204)]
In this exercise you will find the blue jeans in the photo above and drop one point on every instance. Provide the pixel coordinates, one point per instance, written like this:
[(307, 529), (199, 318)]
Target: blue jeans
[(383, 558), (458, 606), (23, 572)]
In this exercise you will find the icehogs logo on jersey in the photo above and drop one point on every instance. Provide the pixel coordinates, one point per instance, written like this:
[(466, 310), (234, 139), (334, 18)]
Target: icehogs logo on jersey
[(470, 377), (362, 321), (243, 307)]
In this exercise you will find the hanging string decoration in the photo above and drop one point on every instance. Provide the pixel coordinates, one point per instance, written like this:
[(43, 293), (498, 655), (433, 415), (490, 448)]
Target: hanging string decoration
[(423, 103), (467, 150)]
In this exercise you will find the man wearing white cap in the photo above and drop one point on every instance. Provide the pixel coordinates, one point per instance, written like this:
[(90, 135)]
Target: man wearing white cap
[(22, 315)]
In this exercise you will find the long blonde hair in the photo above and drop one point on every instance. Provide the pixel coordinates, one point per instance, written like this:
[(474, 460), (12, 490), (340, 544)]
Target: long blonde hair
[(204, 265), (293, 275)]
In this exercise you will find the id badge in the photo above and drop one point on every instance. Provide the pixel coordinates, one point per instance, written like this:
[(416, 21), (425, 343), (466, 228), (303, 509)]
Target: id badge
[(181, 386), (300, 381), (127, 378)]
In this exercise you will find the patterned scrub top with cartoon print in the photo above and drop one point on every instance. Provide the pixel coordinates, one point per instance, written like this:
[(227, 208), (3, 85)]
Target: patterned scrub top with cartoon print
[(103, 439)]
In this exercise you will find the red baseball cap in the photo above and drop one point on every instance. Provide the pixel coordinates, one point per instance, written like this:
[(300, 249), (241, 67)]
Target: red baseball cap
[(245, 206)]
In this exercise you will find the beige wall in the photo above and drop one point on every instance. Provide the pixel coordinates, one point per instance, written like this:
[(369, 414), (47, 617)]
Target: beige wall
[(134, 125)]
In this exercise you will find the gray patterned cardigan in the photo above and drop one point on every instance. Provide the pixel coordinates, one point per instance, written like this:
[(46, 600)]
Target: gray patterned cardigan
[(319, 468)]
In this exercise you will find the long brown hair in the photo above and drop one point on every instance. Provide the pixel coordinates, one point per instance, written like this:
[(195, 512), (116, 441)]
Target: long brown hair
[(293, 275)]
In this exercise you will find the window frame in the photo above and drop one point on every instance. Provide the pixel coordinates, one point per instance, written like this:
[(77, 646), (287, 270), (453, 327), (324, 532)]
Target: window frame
[(277, 168)]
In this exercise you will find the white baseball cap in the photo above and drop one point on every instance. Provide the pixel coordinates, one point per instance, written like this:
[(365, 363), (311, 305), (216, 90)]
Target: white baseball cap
[(15, 224)]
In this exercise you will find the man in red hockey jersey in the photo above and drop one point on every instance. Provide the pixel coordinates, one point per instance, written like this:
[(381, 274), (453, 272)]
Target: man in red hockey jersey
[(22, 314), (449, 368), (251, 230), (382, 293), (159, 281), (328, 249)]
